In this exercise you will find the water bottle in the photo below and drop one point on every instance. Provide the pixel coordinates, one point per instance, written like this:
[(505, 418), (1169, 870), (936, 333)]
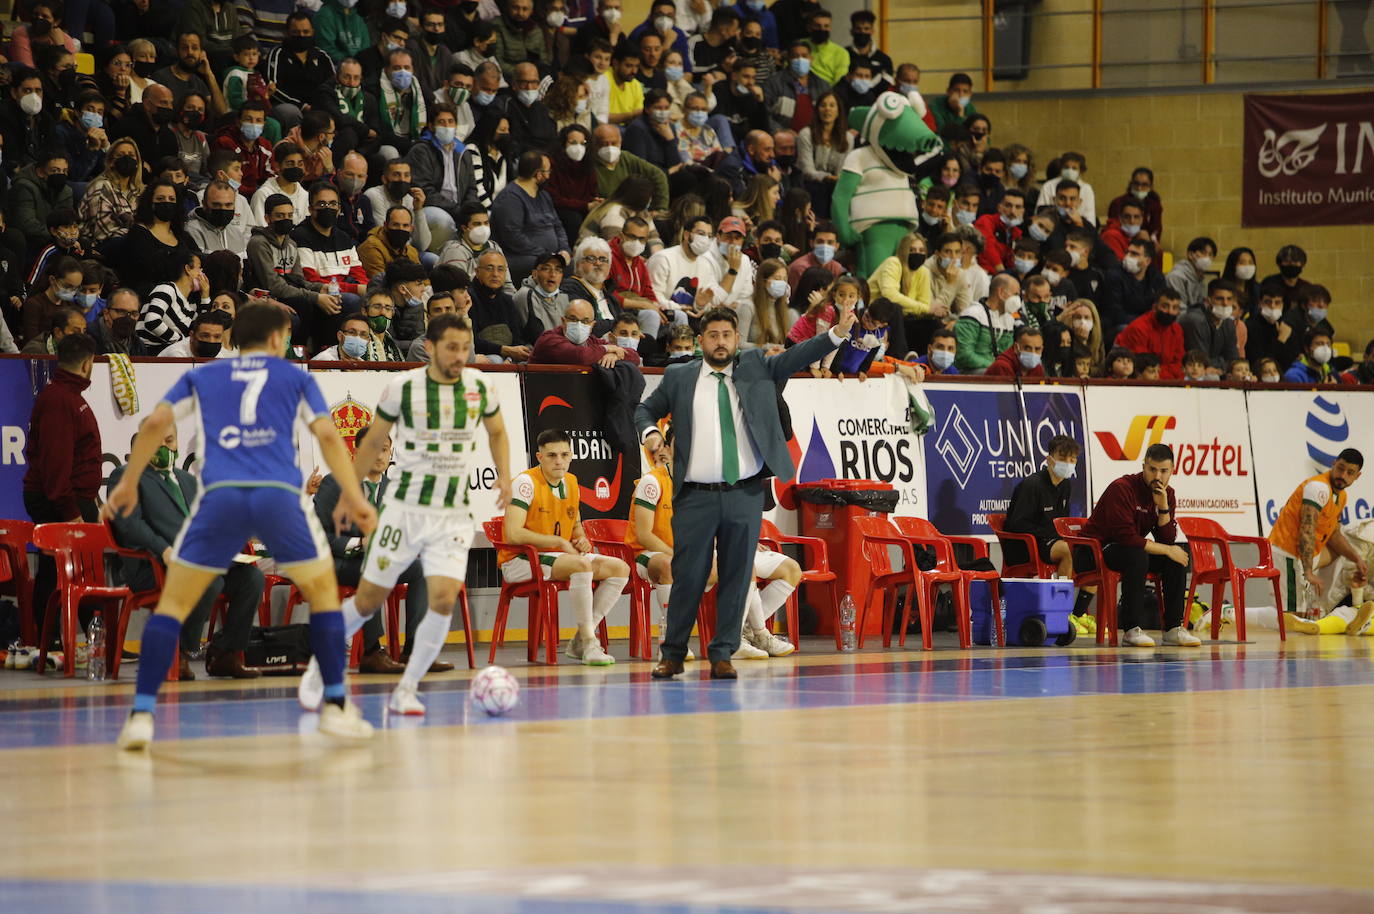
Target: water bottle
[(95, 649), (849, 640), (1002, 615), (333, 287)]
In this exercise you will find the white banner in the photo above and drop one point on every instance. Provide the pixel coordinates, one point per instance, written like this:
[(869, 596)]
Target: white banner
[(1298, 434), (1207, 429)]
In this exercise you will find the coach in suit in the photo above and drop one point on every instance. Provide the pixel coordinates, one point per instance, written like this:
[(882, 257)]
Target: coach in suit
[(348, 549), (165, 495), (728, 441)]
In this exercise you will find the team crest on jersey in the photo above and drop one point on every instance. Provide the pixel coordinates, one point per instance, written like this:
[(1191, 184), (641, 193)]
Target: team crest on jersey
[(651, 491), (524, 489), (382, 563), (350, 417)]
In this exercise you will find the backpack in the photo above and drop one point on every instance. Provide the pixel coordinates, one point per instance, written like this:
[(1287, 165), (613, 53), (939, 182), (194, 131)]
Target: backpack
[(280, 650)]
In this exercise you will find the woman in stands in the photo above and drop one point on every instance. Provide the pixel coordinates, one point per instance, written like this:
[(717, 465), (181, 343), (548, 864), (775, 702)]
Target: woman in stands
[(107, 208), (821, 148)]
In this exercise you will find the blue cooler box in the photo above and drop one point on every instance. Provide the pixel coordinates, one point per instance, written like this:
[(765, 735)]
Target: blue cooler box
[(1037, 612)]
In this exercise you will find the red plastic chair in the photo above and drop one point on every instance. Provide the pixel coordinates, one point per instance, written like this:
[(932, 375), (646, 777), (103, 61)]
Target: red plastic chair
[(1107, 581), (1034, 567), (15, 537), (79, 551), (608, 536), (540, 591), (877, 533), (923, 533), (1219, 568), (815, 570)]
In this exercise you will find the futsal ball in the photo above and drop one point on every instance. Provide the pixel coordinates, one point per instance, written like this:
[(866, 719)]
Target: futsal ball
[(494, 690)]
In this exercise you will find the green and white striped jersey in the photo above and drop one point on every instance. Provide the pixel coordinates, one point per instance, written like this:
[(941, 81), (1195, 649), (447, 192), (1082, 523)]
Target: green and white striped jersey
[(434, 435)]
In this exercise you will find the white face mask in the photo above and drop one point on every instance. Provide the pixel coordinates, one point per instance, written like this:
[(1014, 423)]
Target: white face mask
[(1012, 305), (609, 154), (1051, 276), (632, 248), (1084, 324), (1069, 174), (1272, 315), (612, 16), (1245, 272), (1131, 264), (627, 342), (1222, 312), (663, 23), (1321, 354), (576, 151), (480, 234), (1075, 258), (700, 244), (577, 333), (31, 104), (1063, 468), (556, 18), (1024, 266), (1203, 264)]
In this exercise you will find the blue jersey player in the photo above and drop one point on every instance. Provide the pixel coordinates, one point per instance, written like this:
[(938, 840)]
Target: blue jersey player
[(248, 410)]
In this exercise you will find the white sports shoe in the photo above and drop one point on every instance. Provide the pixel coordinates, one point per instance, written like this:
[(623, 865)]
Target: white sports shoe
[(765, 640), (575, 648), (747, 651), (405, 701), (595, 655), (310, 692), (344, 723), (1180, 637), (1136, 637), (137, 732)]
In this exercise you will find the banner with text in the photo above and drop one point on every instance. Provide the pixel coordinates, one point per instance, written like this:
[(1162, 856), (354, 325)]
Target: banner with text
[(1309, 159), (1207, 429), (1298, 434), (985, 441), (571, 402)]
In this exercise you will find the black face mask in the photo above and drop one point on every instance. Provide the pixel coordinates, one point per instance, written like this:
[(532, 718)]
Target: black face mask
[(145, 68), (468, 7), (123, 327), (434, 37), (914, 260), (165, 211), (56, 182), (219, 218), (282, 226), (750, 45), (397, 189), (326, 217), (126, 166), (192, 119), (206, 350), (785, 161), (66, 80), (819, 36), (299, 43), (397, 238), (1165, 319), (860, 38), (163, 116), (292, 175), (41, 28), (770, 251), (1290, 270)]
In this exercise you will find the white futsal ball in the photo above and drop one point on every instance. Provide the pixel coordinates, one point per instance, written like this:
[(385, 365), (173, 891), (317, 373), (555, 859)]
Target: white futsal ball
[(494, 690)]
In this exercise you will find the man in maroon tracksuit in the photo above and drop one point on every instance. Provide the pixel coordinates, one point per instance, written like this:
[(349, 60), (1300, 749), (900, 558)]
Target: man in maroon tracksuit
[(1133, 507), (63, 454)]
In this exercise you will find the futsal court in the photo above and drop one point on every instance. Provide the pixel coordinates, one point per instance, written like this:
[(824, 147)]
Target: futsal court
[(1230, 778)]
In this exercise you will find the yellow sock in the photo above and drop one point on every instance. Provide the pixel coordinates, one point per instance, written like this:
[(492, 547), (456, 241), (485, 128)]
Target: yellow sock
[(1331, 625)]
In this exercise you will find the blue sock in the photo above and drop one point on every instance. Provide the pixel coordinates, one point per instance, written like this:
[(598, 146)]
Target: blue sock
[(161, 637), (327, 644)]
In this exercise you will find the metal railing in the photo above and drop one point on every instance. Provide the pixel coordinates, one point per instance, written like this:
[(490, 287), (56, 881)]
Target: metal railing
[(1333, 37)]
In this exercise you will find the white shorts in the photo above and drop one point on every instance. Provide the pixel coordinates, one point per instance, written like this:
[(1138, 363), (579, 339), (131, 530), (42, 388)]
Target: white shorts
[(642, 563), (766, 561), (438, 538), (517, 570)]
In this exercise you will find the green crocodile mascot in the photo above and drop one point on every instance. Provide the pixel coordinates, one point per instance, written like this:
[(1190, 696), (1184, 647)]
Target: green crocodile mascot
[(874, 205)]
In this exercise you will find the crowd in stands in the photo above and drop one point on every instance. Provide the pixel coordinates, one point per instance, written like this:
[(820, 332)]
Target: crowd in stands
[(583, 189)]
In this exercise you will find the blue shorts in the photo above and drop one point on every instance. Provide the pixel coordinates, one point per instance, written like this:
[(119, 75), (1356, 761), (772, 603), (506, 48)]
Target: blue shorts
[(224, 519)]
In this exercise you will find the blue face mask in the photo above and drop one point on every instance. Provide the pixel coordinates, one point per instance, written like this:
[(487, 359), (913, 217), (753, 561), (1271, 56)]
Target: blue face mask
[(965, 217), (1317, 314), (1018, 170), (355, 347), (697, 118), (91, 121), (627, 342), (1063, 469), (672, 74), (445, 134), (824, 253), (577, 333), (907, 88), (1029, 360), (402, 79), (484, 98), (87, 300), (801, 66), (861, 85), (1038, 233), (941, 358), (251, 132)]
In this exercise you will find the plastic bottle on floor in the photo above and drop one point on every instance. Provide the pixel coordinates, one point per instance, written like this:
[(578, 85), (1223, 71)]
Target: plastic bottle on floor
[(95, 646), (849, 640)]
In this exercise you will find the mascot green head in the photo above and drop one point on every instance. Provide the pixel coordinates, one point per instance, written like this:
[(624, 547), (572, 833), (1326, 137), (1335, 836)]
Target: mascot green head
[(893, 126)]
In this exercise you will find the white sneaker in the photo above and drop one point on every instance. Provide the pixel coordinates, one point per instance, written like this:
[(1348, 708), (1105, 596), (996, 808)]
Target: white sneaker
[(137, 732), (765, 640), (344, 723), (310, 692), (575, 648), (747, 651), (595, 655), (1136, 637), (405, 701), (1180, 638)]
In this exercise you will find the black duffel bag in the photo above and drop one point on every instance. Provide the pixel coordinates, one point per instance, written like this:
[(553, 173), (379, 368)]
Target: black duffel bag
[(281, 650)]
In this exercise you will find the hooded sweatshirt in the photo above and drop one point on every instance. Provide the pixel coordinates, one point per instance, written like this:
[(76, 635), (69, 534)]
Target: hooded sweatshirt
[(545, 308), (275, 265)]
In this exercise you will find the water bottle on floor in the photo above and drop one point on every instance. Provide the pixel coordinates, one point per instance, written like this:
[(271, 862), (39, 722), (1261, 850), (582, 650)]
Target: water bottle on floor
[(849, 640), (95, 649)]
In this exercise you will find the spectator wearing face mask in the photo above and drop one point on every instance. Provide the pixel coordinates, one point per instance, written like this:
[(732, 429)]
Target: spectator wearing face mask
[(1189, 276), (630, 275), (793, 93), (1023, 358), (541, 297), (1212, 329), (825, 244), (1072, 166), (38, 191), (1157, 332), (243, 137), (1124, 227), (957, 104), (984, 330), (1291, 260), (297, 68), (573, 343), (1000, 231), (1240, 270), (172, 306), (1312, 311), (1267, 371), (211, 226), (1130, 288), (1266, 332), (859, 87), (1313, 365), (1141, 189), (941, 353), (206, 339), (951, 286), (388, 243)]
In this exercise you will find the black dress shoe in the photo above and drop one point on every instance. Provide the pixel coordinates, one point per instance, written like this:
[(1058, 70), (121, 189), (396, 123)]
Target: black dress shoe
[(723, 669), (667, 669), (228, 666)]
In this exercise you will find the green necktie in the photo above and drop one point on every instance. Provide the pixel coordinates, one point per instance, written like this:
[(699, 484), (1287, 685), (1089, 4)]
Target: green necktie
[(371, 489), (729, 446), (174, 488)]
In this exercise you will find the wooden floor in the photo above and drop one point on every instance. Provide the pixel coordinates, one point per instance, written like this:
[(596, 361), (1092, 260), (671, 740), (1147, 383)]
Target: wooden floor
[(1227, 778)]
